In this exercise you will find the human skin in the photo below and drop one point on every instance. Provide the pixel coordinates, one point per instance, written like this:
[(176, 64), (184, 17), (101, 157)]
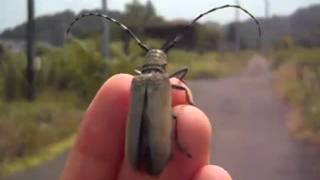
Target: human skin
[(98, 152)]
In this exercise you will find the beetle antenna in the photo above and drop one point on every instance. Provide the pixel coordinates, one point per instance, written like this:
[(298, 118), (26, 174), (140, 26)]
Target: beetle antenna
[(125, 28), (172, 43)]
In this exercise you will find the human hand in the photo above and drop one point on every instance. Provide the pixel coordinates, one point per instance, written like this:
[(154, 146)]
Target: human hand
[(98, 153)]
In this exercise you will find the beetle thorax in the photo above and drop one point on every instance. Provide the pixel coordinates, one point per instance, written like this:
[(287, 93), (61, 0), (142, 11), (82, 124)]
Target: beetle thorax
[(156, 60)]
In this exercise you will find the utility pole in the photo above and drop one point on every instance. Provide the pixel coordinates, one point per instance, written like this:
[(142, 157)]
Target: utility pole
[(237, 14), (30, 71), (105, 46), (262, 44), (237, 37), (267, 9)]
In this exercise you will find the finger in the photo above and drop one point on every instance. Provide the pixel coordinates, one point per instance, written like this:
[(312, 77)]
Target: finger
[(211, 172), (194, 131), (98, 150)]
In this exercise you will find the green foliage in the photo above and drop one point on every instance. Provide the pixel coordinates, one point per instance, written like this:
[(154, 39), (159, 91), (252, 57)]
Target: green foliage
[(121, 63), (298, 55), (138, 15), (208, 38), (12, 81), (77, 66)]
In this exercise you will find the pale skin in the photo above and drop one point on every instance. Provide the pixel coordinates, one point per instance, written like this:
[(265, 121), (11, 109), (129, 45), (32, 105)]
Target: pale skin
[(98, 153)]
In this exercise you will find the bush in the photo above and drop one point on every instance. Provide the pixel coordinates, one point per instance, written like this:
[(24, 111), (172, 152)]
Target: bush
[(77, 67), (12, 76)]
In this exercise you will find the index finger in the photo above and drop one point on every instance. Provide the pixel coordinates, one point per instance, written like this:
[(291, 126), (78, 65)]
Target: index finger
[(98, 150)]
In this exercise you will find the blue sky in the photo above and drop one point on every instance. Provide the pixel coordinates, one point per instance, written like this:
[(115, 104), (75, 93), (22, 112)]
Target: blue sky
[(13, 12)]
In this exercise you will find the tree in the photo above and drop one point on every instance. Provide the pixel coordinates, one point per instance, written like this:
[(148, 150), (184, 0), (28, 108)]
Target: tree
[(134, 14), (137, 15), (150, 12)]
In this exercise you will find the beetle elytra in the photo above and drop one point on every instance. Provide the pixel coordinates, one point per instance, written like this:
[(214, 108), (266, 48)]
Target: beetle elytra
[(150, 126)]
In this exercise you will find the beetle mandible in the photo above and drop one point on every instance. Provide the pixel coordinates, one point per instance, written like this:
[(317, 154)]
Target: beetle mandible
[(149, 132)]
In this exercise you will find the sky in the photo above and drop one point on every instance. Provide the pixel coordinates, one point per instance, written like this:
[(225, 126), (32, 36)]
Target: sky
[(14, 12)]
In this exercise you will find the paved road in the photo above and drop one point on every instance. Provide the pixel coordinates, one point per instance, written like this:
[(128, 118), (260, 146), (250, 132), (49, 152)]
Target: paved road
[(250, 137), (48, 171)]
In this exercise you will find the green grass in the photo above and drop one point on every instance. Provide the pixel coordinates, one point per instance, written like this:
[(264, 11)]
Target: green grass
[(210, 64), (45, 154), (27, 128), (297, 55)]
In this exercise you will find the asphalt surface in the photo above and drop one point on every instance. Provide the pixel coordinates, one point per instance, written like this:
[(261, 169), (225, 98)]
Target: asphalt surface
[(250, 139), (48, 171)]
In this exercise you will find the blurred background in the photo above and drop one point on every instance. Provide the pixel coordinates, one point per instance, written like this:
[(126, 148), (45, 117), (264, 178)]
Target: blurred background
[(261, 96)]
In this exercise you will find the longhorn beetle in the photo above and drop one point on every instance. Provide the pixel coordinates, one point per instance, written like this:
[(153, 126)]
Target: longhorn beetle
[(149, 132)]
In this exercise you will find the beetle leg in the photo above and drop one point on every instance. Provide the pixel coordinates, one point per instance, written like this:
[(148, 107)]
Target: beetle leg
[(177, 87), (181, 147), (180, 74)]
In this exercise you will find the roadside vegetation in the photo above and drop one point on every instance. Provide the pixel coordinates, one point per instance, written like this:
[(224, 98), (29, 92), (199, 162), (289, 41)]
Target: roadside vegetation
[(297, 80), (67, 79)]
